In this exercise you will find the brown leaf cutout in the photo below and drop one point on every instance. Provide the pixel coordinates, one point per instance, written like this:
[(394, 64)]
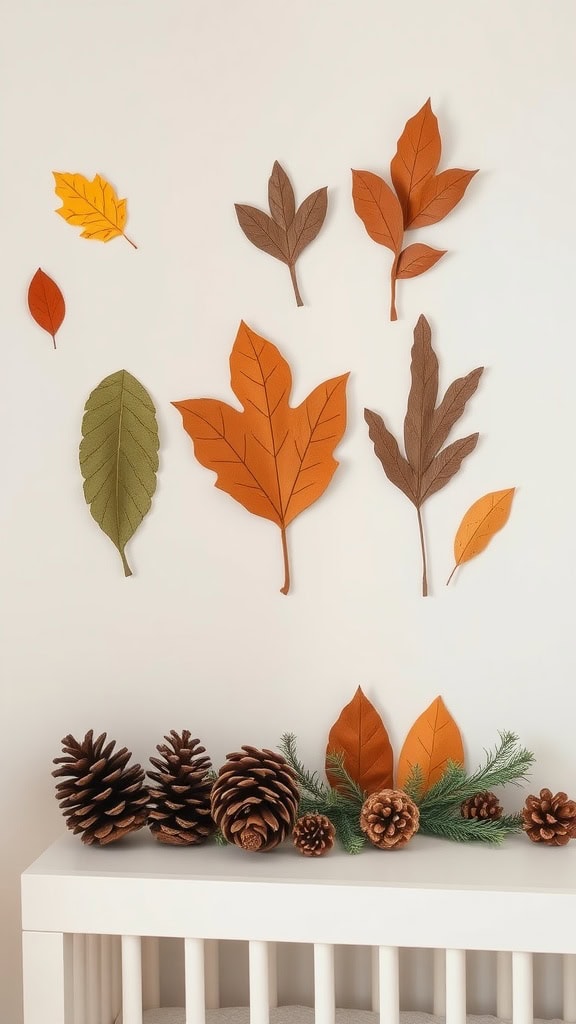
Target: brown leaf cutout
[(482, 520), (288, 231), (274, 459), (427, 467), (46, 303), (433, 740), (360, 734), (422, 197)]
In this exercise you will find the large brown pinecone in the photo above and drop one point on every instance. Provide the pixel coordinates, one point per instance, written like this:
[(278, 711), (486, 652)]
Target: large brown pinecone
[(389, 818), (484, 806), (101, 798), (550, 819), (255, 799), (179, 811), (313, 835)]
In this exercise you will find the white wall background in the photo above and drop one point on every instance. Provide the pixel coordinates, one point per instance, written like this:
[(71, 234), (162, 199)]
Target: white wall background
[(184, 107)]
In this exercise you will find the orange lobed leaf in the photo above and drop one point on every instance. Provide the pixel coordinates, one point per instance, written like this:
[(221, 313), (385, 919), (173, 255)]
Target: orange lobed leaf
[(46, 303), (378, 209), (360, 734), (439, 196), (433, 740), (417, 157), (274, 459), (482, 520)]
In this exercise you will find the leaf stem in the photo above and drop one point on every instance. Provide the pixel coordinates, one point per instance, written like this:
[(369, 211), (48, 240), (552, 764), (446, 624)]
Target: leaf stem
[(451, 574), (125, 566), (133, 244), (286, 587), (393, 313), (295, 284), (54, 340), (423, 547)]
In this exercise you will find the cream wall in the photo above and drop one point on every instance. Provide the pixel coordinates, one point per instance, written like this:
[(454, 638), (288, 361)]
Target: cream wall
[(185, 106)]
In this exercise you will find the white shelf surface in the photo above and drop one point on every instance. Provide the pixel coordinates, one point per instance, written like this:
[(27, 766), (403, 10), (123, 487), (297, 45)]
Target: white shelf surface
[(431, 894)]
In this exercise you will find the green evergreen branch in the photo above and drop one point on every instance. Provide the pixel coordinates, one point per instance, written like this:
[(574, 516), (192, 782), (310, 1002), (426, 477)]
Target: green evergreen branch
[(345, 783), (308, 781), (490, 830)]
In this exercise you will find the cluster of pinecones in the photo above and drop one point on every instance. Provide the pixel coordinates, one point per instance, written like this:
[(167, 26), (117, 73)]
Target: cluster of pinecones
[(253, 800)]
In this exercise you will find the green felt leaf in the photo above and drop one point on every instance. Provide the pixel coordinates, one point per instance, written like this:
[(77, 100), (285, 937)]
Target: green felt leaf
[(119, 456)]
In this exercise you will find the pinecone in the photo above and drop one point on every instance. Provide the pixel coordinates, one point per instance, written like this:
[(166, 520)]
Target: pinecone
[(102, 799), (483, 806), (389, 818), (313, 835), (179, 811), (255, 799), (550, 819)]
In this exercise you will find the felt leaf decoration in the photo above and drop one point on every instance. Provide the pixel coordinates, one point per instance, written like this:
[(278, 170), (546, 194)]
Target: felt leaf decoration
[(286, 233), (46, 303), (426, 467), (360, 735), (482, 520), (433, 740), (421, 197), (91, 205), (274, 459), (119, 457)]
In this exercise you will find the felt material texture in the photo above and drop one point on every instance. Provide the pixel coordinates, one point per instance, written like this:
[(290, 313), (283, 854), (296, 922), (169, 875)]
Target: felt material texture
[(91, 205), (360, 735), (46, 303), (272, 458), (482, 520), (433, 740)]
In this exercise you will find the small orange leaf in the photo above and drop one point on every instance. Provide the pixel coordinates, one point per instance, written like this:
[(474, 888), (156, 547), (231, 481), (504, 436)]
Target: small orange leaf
[(46, 303), (417, 156), (417, 259), (360, 734), (482, 520), (439, 196), (378, 208), (433, 740)]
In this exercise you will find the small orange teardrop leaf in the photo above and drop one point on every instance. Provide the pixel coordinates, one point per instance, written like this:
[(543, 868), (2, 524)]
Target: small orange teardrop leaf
[(482, 520), (360, 734), (433, 740)]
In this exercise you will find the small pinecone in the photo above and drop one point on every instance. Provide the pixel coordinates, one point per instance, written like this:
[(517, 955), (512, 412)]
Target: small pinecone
[(255, 799), (179, 811), (389, 818), (313, 835), (550, 819), (484, 806), (102, 799)]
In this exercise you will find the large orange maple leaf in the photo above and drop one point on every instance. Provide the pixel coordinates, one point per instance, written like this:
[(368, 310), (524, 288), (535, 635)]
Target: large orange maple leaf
[(274, 459)]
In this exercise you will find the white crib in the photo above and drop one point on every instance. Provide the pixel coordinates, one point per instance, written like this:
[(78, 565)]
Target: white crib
[(92, 919)]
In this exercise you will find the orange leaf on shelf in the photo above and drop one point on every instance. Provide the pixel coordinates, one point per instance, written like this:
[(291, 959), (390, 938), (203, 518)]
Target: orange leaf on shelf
[(274, 459), (360, 734), (433, 740), (46, 303), (482, 520)]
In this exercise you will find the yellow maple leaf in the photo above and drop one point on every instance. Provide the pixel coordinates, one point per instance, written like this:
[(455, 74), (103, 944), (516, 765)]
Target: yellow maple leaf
[(92, 205)]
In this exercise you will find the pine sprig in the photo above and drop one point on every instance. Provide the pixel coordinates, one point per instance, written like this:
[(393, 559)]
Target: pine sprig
[(489, 830)]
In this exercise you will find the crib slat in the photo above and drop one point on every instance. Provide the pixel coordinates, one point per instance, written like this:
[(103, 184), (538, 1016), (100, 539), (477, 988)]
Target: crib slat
[(522, 989), (194, 981), (272, 974), (324, 997), (259, 981), (439, 994), (151, 973), (569, 988), (455, 986), (47, 963), (389, 984), (504, 986), (79, 977), (131, 979), (93, 1009)]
